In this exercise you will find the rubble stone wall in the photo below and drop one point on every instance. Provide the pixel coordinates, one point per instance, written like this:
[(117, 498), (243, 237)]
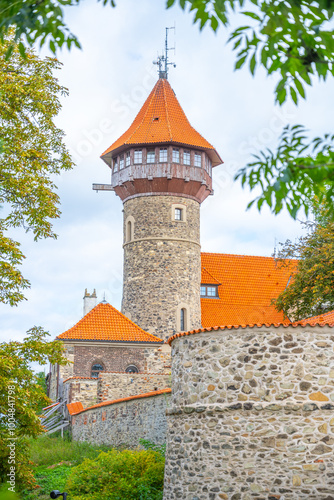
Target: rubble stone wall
[(124, 423), (121, 385), (252, 415)]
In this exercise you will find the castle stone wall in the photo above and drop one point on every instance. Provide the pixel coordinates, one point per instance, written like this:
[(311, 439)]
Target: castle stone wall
[(81, 390), (252, 415), (162, 264), (121, 385), (123, 423)]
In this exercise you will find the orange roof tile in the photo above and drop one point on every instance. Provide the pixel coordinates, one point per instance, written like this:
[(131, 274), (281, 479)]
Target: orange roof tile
[(321, 320), (105, 323), (74, 408), (129, 398), (302, 323), (160, 120), (247, 286)]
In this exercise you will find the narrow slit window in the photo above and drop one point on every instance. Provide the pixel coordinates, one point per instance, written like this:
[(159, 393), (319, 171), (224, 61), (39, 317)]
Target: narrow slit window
[(163, 155), (128, 231), (138, 158), (186, 157), (182, 319)]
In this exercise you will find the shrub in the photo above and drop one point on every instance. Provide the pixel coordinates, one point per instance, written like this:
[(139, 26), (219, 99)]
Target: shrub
[(118, 475)]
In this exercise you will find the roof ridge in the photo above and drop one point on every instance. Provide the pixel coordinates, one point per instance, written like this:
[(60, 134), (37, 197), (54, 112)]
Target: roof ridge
[(148, 100), (167, 114), (244, 255)]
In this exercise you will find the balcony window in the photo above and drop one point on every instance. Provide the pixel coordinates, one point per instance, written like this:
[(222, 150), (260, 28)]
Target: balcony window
[(198, 160), (127, 159), (176, 155), (186, 157), (151, 156), (138, 158), (163, 155)]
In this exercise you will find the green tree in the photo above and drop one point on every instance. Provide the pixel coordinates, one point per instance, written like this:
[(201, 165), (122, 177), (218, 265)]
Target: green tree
[(311, 291), (21, 397), (32, 151), (292, 38)]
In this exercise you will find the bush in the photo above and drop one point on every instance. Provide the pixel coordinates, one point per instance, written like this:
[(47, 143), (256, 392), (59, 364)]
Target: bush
[(118, 475)]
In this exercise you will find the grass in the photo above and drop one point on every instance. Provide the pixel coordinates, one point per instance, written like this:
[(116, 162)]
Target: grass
[(53, 459)]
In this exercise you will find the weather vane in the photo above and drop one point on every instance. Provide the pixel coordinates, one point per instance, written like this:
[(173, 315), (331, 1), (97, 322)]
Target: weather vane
[(162, 61)]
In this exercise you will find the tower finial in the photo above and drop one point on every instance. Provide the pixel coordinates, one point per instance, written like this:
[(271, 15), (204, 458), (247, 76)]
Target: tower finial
[(162, 61)]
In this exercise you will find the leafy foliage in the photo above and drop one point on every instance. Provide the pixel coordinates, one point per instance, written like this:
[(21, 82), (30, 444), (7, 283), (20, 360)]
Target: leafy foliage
[(148, 445), (311, 291), (294, 174), (119, 475), (32, 152), (21, 397)]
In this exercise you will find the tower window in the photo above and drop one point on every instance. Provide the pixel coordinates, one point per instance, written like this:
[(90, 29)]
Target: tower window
[(176, 155), (131, 369), (138, 158), (163, 154), (183, 314), (121, 162), (151, 156), (186, 157), (96, 369), (127, 160), (198, 160), (129, 229), (115, 165), (178, 214), (210, 291)]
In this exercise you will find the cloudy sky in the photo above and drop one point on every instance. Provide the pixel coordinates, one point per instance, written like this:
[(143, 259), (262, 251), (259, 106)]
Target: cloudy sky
[(108, 81)]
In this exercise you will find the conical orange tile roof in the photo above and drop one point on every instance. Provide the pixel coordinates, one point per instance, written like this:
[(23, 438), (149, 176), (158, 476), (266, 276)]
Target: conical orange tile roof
[(162, 120), (105, 323)]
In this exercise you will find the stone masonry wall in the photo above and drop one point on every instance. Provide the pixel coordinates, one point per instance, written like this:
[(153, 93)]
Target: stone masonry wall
[(81, 390), (252, 415), (121, 385), (123, 423), (162, 264)]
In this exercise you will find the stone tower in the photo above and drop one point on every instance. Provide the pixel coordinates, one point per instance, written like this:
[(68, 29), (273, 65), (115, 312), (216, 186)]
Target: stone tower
[(161, 168)]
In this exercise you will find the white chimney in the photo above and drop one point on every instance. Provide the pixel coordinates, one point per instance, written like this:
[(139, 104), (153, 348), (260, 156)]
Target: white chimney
[(89, 301)]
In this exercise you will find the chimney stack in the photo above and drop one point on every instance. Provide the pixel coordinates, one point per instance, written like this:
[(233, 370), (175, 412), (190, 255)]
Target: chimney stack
[(89, 301)]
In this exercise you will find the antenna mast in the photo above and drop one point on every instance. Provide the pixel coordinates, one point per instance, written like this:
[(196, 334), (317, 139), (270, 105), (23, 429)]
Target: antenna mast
[(162, 61)]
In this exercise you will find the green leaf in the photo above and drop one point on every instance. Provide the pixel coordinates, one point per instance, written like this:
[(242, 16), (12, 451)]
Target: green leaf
[(252, 64), (293, 95), (240, 62), (299, 87)]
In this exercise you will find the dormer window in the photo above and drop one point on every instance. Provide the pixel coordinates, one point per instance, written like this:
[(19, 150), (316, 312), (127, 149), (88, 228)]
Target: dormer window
[(186, 157), (150, 156), (163, 155), (198, 160), (209, 291), (138, 157), (176, 155), (128, 159)]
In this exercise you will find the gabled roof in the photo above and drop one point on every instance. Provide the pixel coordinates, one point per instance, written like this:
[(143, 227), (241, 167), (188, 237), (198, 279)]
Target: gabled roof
[(162, 120), (105, 323), (247, 286)]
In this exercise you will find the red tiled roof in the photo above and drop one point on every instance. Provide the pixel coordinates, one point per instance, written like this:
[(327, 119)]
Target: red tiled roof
[(74, 408), (129, 398), (105, 323), (247, 286), (160, 120), (321, 320), (80, 378)]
